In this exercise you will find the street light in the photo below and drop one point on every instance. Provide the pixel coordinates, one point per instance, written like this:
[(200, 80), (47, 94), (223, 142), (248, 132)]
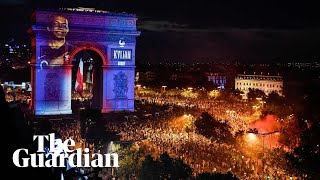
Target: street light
[(263, 135), (187, 115), (164, 88), (255, 107)]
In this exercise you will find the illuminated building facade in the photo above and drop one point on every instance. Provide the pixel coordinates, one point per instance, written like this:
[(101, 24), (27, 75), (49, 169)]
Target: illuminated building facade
[(218, 79), (267, 84), (59, 35)]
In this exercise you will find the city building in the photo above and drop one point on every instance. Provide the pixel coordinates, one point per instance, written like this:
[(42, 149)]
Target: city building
[(217, 79), (14, 54), (265, 83), (145, 77)]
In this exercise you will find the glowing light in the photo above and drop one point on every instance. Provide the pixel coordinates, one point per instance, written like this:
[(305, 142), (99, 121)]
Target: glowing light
[(213, 93), (121, 43), (164, 87), (252, 137), (44, 61)]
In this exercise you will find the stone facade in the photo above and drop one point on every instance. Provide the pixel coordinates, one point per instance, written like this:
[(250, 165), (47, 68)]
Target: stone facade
[(267, 84)]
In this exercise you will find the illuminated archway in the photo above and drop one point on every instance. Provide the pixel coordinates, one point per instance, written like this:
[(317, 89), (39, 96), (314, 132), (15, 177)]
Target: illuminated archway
[(92, 67), (92, 47)]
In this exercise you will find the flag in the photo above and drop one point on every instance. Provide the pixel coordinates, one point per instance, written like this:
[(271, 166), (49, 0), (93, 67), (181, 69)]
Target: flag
[(79, 82)]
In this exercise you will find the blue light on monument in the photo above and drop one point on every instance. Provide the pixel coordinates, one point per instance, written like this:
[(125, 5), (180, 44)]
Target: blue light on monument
[(57, 36), (121, 54)]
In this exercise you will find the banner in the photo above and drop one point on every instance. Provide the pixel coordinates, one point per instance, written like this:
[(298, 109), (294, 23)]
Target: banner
[(79, 81)]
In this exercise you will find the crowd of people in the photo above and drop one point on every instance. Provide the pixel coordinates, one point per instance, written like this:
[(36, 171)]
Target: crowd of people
[(71, 129), (237, 114), (24, 97), (166, 133)]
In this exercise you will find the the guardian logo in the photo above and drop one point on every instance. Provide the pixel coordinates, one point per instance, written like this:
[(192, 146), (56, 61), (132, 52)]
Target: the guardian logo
[(59, 155)]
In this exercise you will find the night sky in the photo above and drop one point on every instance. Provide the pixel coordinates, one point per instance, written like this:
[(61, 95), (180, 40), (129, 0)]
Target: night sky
[(193, 31)]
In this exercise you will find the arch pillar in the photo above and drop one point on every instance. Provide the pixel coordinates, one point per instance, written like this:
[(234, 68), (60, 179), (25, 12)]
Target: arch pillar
[(116, 79), (51, 95)]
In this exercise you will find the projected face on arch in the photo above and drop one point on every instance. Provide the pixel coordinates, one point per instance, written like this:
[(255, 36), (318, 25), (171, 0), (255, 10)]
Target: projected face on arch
[(56, 51), (59, 27)]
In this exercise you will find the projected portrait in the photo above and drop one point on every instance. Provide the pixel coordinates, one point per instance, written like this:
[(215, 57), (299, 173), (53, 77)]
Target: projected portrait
[(56, 51)]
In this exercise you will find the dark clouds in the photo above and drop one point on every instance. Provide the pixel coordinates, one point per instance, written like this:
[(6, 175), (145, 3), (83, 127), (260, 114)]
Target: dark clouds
[(12, 2), (192, 30), (182, 42)]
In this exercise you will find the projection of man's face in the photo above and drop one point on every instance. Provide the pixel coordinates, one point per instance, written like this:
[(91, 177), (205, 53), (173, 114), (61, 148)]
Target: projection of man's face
[(59, 27)]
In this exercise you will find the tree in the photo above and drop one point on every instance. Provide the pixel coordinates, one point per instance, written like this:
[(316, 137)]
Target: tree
[(277, 105), (255, 93), (306, 157), (211, 128), (130, 159), (164, 167), (149, 168), (289, 132), (230, 95), (236, 93)]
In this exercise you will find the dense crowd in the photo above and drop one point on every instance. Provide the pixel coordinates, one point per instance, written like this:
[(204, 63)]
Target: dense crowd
[(166, 133), (237, 114), (18, 97), (71, 129)]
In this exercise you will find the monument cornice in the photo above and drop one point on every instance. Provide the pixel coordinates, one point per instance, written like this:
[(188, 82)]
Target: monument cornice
[(39, 29), (100, 20)]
